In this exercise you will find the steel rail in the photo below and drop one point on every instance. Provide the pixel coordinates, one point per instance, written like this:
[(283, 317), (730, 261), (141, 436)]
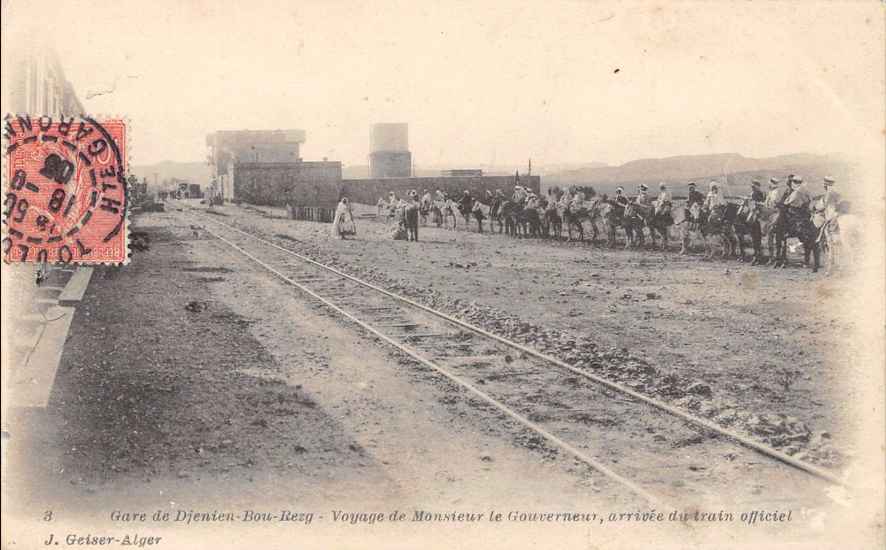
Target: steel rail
[(577, 453), (734, 436)]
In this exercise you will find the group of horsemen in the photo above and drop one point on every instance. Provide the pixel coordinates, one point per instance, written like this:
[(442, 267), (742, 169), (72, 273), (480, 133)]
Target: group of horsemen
[(793, 201)]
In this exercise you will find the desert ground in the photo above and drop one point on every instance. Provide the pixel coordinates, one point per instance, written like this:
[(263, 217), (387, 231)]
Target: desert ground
[(194, 379)]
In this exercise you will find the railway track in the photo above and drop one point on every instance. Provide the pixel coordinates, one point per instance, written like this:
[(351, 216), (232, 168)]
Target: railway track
[(658, 452)]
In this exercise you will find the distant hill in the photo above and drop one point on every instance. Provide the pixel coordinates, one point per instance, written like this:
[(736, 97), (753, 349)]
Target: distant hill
[(358, 171), (735, 170), (194, 172)]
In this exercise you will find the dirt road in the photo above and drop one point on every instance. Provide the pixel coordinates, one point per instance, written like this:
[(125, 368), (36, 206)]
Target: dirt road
[(755, 348), (193, 380)]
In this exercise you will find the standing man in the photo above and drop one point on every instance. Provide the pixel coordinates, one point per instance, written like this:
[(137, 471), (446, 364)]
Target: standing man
[(466, 204), (757, 197)]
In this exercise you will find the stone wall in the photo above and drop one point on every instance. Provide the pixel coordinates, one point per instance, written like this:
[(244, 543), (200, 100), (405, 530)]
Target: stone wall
[(368, 191), (314, 184)]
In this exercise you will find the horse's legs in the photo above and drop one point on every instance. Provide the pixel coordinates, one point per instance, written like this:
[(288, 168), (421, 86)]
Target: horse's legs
[(782, 250), (664, 238), (816, 254), (757, 242)]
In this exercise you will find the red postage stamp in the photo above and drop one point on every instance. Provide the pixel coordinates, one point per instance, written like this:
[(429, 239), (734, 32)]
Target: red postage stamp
[(65, 193)]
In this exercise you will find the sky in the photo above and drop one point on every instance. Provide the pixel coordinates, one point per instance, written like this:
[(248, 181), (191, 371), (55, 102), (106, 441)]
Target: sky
[(480, 82)]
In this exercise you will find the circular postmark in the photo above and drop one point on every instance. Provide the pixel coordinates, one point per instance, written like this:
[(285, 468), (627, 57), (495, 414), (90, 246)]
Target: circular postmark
[(65, 196)]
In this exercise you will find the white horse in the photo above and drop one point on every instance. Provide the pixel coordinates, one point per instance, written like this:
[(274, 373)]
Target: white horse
[(840, 240)]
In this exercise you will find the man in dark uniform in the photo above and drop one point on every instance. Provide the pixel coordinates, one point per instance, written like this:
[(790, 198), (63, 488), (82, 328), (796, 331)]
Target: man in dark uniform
[(756, 194), (694, 195), (620, 197)]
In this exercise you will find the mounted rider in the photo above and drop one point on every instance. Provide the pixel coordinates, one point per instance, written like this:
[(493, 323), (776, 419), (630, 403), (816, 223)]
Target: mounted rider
[(830, 198), (620, 198), (776, 195), (663, 202), (695, 198), (825, 208), (798, 201), (757, 195), (714, 202)]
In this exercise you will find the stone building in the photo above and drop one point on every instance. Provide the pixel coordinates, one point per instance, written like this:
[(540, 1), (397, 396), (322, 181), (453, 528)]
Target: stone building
[(228, 148), (35, 84), (265, 168)]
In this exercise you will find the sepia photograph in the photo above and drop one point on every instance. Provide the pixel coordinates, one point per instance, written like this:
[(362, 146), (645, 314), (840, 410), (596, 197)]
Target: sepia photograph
[(500, 274)]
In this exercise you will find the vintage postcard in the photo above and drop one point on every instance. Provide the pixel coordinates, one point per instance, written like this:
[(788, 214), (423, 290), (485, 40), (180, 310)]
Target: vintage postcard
[(596, 275)]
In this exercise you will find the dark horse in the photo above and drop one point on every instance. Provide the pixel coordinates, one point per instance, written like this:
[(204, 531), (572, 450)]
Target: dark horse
[(744, 224), (529, 220), (552, 222), (634, 220), (796, 222), (518, 220), (659, 224), (613, 214)]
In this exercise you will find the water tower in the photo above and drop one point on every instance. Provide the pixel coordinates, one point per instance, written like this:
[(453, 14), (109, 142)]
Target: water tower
[(389, 155)]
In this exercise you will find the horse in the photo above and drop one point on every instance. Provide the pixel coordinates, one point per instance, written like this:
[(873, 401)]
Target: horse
[(659, 222), (761, 222), (613, 214), (574, 216), (529, 219), (494, 211), (435, 212), (448, 216), (840, 239), (424, 211), (743, 224), (481, 211), (633, 221), (688, 219), (508, 215), (552, 221), (718, 223), (797, 223)]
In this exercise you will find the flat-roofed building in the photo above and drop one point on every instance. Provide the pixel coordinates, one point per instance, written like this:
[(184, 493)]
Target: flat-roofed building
[(227, 148)]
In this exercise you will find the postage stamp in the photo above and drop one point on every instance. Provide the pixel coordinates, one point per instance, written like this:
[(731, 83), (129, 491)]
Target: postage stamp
[(65, 190)]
